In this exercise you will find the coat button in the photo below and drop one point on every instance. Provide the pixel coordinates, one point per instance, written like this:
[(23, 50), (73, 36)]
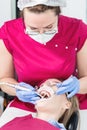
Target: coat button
[(66, 47), (56, 45), (76, 49)]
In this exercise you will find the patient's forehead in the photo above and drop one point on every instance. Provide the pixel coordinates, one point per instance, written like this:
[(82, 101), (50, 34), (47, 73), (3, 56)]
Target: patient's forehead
[(50, 81)]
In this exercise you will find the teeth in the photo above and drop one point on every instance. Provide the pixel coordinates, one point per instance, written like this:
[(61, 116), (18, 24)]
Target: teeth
[(45, 92)]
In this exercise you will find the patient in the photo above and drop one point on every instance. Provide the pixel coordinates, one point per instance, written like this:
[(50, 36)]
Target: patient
[(53, 111), (55, 107)]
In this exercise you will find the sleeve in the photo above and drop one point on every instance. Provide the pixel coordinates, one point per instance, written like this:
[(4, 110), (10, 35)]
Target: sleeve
[(4, 36), (82, 31)]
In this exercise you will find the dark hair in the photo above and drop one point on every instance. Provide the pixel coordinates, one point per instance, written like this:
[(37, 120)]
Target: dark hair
[(43, 8)]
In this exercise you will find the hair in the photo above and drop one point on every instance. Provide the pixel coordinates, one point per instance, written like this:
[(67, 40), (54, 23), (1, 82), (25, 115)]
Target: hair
[(41, 9), (71, 116)]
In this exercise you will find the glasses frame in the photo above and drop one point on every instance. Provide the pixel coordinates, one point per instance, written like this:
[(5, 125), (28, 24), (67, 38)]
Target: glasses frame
[(37, 32)]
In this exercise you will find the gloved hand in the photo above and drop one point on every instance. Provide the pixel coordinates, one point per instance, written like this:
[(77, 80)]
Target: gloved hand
[(70, 86), (27, 96)]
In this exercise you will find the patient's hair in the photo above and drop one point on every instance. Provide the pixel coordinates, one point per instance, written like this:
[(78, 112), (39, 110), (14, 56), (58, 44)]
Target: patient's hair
[(71, 114)]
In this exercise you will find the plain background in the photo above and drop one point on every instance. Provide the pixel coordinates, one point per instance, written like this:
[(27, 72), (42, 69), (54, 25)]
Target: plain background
[(75, 8)]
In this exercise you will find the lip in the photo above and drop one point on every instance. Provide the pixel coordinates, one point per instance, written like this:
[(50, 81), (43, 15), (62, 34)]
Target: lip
[(45, 92)]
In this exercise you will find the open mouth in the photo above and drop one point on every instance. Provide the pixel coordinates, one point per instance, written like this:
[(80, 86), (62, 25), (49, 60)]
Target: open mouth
[(45, 92)]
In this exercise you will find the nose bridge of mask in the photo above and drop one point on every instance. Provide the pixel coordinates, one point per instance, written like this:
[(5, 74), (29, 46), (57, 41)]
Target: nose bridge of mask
[(39, 37), (46, 37)]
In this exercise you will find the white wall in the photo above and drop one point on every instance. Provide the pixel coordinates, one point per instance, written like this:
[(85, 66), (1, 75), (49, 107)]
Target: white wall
[(6, 10), (75, 8)]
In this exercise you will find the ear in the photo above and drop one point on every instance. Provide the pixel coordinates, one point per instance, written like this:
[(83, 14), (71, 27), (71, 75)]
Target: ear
[(68, 104)]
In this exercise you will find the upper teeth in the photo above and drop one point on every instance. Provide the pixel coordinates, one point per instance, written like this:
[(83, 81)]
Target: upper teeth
[(45, 91)]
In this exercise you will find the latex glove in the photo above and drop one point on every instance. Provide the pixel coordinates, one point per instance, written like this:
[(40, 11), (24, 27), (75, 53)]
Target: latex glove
[(27, 96), (70, 86)]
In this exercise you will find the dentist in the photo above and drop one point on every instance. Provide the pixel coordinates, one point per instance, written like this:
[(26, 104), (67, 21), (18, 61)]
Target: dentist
[(42, 44)]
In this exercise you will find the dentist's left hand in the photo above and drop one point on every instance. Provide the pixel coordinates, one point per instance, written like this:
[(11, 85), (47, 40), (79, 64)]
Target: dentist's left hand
[(26, 96)]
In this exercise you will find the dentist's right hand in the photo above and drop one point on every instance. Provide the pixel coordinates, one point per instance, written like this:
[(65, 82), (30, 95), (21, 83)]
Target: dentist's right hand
[(27, 96)]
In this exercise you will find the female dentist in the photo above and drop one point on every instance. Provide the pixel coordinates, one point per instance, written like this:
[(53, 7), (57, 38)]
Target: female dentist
[(42, 44)]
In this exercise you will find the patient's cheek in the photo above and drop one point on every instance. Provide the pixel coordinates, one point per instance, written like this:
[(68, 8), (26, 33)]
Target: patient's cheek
[(41, 104)]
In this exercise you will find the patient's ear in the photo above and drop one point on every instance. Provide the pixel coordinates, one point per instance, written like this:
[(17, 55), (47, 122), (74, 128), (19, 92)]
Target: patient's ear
[(68, 104)]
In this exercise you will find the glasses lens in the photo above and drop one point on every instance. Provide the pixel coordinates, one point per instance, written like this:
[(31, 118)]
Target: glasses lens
[(50, 32), (29, 32), (33, 33)]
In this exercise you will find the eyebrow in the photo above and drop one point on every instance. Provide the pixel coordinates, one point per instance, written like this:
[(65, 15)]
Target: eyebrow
[(43, 27)]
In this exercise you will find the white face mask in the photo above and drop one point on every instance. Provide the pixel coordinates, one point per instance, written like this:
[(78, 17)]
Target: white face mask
[(44, 37)]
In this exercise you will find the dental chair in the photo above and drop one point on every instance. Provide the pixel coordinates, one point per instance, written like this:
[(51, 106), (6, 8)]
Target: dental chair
[(7, 99)]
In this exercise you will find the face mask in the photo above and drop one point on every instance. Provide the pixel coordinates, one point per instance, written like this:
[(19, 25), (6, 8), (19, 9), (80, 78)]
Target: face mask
[(44, 37)]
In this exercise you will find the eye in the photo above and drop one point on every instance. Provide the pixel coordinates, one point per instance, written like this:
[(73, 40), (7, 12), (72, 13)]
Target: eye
[(49, 27), (32, 28)]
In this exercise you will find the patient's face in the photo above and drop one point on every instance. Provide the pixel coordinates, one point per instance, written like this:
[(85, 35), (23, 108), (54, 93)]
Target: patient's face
[(50, 101)]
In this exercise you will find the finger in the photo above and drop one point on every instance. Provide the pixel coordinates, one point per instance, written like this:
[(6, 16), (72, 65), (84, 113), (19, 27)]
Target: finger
[(68, 81), (31, 95), (71, 94), (22, 99), (26, 85), (35, 98), (60, 92), (33, 102), (59, 85), (24, 93), (63, 90)]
